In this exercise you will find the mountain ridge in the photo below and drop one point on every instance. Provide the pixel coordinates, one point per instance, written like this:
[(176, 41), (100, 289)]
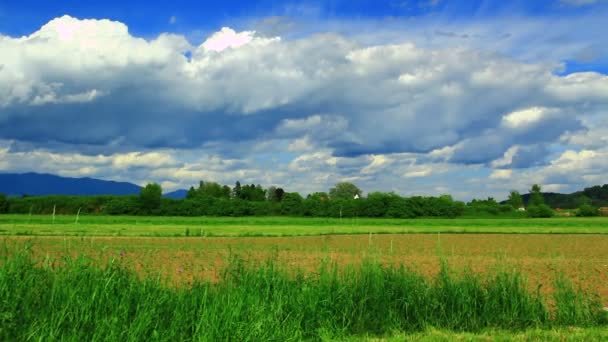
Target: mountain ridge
[(41, 184)]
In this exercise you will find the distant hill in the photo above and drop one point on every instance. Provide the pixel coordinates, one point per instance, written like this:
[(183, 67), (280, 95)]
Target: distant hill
[(595, 195), (177, 194), (36, 184)]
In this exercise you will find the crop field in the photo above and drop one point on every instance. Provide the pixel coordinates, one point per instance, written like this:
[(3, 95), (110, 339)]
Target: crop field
[(322, 278)]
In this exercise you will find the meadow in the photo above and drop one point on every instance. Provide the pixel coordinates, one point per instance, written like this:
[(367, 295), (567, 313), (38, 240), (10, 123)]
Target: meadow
[(277, 278), (160, 226)]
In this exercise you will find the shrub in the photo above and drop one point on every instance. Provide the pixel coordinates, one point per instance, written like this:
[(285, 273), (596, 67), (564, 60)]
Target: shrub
[(538, 211), (3, 204), (587, 210)]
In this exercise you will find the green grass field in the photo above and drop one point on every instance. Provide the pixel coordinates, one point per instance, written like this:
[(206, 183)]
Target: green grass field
[(285, 226)]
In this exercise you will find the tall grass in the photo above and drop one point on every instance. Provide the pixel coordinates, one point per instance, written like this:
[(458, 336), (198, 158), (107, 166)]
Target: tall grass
[(79, 301)]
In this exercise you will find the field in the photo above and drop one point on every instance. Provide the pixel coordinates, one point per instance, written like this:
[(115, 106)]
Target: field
[(180, 254), (285, 226)]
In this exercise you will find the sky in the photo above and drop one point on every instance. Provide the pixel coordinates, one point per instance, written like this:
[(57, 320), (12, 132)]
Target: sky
[(429, 97)]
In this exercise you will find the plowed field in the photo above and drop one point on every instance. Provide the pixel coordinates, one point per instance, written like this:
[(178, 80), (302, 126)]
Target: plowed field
[(583, 258)]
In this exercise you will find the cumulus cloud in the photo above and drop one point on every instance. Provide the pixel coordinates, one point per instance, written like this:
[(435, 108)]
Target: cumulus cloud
[(238, 86), (332, 107)]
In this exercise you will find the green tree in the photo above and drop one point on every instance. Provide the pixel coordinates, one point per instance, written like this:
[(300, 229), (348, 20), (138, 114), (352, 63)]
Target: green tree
[(271, 194), (536, 197), (150, 197), (191, 193), (582, 200), (3, 204), (587, 210), (291, 204), (539, 211), (274, 194), (279, 193), (515, 199), (226, 191), (236, 192), (344, 190)]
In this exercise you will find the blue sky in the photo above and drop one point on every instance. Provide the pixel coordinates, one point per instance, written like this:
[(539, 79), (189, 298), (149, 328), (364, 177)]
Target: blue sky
[(473, 98)]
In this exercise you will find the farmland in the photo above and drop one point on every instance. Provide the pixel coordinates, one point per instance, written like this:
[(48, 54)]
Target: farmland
[(166, 259), (99, 225)]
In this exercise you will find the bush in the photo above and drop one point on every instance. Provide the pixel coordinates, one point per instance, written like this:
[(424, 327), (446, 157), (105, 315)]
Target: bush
[(539, 211), (587, 210), (3, 204)]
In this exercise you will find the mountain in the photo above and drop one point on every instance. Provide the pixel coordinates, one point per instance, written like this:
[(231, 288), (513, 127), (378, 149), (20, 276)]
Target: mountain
[(36, 184), (177, 194)]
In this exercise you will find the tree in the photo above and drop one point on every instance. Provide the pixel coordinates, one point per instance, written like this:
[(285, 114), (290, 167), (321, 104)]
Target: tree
[(150, 197), (279, 193), (344, 190), (226, 191), (587, 210), (515, 199), (291, 204), (3, 204), (274, 194), (191, 193), (270, 194), (536, 197), (541, 210), (236, 192), (253, 193)]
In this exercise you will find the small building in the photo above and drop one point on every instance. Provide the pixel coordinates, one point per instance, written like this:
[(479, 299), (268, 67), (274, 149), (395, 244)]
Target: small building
[(603, 211)]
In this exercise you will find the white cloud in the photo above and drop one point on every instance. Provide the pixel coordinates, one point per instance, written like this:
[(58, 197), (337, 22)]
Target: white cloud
[(330, 106), (227, 38), (523, 117), (501, 174)]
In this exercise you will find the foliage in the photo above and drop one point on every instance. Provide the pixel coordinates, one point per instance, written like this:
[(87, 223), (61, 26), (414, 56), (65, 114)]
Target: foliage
[(213, 199), (540, 211), (515, 199), (587, 210), (596, 196), (252, 193), (487, 207), (3, 204), (274, 194), (345, 191), (536, 197), (236, 191), (291, 205), (80, 301), (149, 197), (209, 189)]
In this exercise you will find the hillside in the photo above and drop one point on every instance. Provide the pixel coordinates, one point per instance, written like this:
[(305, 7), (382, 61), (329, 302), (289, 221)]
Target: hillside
[(595, 195), (36, 184)]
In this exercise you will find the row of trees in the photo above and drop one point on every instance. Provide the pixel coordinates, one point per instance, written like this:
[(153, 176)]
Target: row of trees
[(342, 200), (213, 199)]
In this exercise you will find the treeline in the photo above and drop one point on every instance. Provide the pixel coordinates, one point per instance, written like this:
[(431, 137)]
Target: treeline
[(292, 204), (596, 196), (212, 199), (343, 200)]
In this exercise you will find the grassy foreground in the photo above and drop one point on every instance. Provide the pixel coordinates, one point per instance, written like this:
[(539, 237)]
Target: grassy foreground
[(285, 226), (73, 299)]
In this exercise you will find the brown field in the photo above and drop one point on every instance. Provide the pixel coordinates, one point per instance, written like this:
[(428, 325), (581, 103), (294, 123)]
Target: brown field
[(583, 258)]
